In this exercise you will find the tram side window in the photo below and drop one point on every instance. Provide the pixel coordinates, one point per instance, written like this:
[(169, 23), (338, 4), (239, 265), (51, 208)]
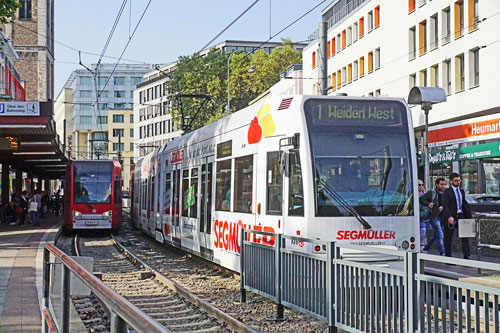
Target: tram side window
[(167, 195), (175, 213), (191, 197), (223, 186), (243, 183), (185, 187), (295, 188), (143, 192), (274, 184), (117, 190), (152, 196)]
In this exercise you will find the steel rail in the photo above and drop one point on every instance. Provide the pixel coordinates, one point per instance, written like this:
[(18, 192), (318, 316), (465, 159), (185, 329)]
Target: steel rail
[(233, 323), (115, 302), (51, 325)]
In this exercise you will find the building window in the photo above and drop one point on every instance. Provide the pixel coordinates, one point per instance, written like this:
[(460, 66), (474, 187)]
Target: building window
[(361, 66), (101, 80), (447, 76), (25, 10), (411, 6), (85, 80), (370, 62), (339, 79), (355, 31), (459, 18), (361, 27), (131, 132), (328, 50), (344, 39), (446, 25), (355, 70), (333, 46), (118, 118), (85, 107), (85, 93), (412, 39), (131, 118), (102, 120), (421, 2), (377, 16), (119, 94), (474, 67), (120, 147), (102, 106), (339, 43), (103, 94), (118, 132), (334, 82), (434, 76), (85, 120), (349, 36), (131, 146), (119, 81), (423, 78), (349, 73), (422, 37), (434, 31), (135, 80), (459, 73), (377, 58), (314, 59), (473, 14), (370, 21), (344, 76), (413, 80), (377, 92), (119, 105)]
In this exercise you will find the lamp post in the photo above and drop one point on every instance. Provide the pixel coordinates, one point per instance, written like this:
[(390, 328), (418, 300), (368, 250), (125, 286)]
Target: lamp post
[(250, 70), (426, 96)]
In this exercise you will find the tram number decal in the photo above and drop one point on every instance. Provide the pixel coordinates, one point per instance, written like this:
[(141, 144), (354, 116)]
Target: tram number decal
[(296, 242), (227, 235)]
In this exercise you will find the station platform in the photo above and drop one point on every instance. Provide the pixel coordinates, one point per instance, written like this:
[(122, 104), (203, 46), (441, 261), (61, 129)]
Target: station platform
[(21, 261)]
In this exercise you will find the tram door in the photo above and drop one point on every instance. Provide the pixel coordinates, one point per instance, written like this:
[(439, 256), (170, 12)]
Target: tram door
[(205, 229), (271, 215), (176, 186)]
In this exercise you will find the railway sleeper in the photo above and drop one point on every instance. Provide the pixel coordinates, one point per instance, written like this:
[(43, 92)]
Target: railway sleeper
[(153, 302), (168, 320), (187, 326), (211, 329), (171, 314), (166, 297)]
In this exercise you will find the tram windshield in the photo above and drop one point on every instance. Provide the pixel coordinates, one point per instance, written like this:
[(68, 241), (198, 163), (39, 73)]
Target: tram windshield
[(92, 182), (361, 157)]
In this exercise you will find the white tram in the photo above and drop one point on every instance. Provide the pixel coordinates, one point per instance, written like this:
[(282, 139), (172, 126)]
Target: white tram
[(330, 168)]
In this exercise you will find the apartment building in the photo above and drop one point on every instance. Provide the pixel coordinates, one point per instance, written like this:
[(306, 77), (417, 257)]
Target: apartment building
[(90, 97), (121, 140), (386, 47), (155, 125), (32, 35)]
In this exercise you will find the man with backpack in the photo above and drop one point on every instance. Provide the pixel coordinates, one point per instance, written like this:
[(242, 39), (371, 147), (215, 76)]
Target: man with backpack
[(432, 205)]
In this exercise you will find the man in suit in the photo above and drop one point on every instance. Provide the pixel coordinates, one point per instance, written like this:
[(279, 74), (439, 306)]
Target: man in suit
[(454, 208)]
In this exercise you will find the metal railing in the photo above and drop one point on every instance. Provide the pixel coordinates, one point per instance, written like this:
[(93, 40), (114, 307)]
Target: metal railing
[(122, 312), (360, 296)]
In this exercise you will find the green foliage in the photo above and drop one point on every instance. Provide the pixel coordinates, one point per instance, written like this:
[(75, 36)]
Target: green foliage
[(7, 10), (208, 76)]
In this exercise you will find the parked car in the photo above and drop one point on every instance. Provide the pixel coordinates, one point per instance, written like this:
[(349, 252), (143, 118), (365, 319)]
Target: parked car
[(483, 203)]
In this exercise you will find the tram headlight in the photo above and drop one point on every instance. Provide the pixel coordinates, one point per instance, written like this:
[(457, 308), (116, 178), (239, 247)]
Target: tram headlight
[(108, 213), (76, 214), (405, 245)]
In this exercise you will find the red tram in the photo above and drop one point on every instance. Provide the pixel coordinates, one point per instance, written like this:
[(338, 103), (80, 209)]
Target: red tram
[(92, 195)]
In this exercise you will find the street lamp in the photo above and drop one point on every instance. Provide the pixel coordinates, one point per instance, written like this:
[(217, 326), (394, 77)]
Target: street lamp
[(426, 96), (251, 70)]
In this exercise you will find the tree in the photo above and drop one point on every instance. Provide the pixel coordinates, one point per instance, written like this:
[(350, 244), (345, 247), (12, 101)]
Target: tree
[(208, 76), (7, 10)]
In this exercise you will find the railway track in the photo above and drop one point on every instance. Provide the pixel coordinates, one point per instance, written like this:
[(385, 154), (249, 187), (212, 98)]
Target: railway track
[(162, 299)]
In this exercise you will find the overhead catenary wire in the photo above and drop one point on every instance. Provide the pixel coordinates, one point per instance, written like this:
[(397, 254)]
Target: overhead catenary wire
[(110, 36)]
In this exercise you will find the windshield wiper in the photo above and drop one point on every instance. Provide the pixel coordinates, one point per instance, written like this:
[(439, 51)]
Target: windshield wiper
[(333, 194)]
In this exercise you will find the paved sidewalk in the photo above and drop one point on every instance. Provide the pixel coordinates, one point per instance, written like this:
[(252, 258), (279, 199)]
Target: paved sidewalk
[(19, 268)]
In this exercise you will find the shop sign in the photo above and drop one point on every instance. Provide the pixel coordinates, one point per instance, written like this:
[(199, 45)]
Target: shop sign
[(465, 153), (469, 130), (19, 109)]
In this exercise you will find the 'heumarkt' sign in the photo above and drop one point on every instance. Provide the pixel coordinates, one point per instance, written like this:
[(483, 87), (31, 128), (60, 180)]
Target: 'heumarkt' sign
[(19, 109), (465, 153)]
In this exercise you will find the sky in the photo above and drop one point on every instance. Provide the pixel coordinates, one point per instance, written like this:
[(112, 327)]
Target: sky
[(169, 29)]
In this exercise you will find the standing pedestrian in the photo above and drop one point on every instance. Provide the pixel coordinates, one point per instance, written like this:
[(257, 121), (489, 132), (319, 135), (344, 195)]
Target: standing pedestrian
[(423, 214), (23, 202), (34, 205), (455, 207), (434, 200)]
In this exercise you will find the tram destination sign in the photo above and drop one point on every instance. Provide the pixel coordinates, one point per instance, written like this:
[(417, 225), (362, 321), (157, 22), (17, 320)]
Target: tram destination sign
[(354, 112), (465, 153), (19, 109)]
